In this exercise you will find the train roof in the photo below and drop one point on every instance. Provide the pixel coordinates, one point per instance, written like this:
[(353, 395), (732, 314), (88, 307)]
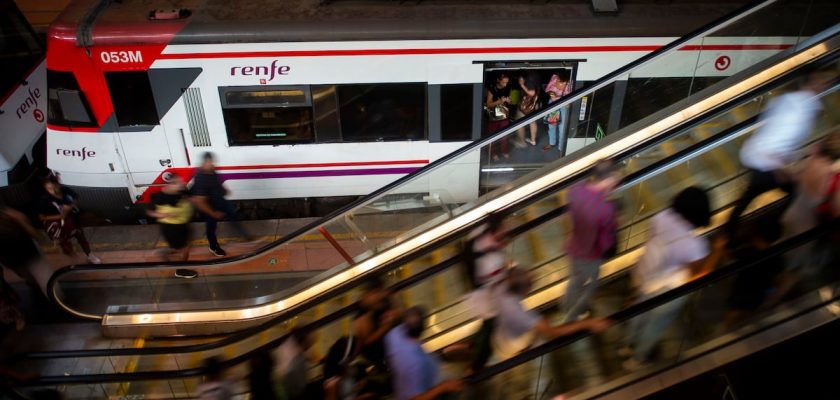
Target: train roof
[(232, 21)]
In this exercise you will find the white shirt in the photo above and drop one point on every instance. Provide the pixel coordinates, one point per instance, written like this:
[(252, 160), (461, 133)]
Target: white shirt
[(514, 330), (788, 121), (673, 241)]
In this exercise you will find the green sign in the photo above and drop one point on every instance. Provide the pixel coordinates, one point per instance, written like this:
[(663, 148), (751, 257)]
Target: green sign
[(599, 132)]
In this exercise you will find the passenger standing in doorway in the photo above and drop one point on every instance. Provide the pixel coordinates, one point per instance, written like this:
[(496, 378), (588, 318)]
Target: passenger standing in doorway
[(208, 195), (496, 100), (788, 121), (173, 210), (593, 237), (528, 103), (558, 86), (57, 210)]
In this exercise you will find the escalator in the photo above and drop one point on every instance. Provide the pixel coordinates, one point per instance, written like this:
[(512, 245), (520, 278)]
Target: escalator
[(684, 156), (691, 142)]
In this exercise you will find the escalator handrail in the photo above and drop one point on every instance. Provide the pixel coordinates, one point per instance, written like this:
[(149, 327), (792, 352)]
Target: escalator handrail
[(721, 273), (629, 180), (733, 268), (575, 95)]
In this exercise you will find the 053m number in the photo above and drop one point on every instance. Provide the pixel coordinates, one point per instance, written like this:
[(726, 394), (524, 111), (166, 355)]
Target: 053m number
[(109, 57)]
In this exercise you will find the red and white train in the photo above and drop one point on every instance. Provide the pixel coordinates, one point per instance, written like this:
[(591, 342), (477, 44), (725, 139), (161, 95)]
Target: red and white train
[(318, 101)]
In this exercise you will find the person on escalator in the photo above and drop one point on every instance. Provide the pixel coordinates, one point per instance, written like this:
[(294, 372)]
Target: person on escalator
[(293, 365), (674, 254), (215, 386), (593, 238), (173, 211), (768, 154), (486, 263), (415, 372), (377, 315), (208, 195)]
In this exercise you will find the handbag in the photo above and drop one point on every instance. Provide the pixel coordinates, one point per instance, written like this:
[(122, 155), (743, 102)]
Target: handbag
[(63, 229), (498, 113), (528, 104)]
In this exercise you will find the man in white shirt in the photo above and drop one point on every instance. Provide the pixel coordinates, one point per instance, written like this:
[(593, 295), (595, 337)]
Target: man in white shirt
[(787, 123)]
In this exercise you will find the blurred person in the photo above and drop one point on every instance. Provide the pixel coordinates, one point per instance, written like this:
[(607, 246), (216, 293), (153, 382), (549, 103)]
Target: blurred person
[(260, 381), (752, 286), (674, 254), (517, 329), (486, 261), (496, 99), (375, 318), (57, 210), (415, 372), (817, 201), (593, 236), (557, 87), (529, 103), (208, 195), (293, 364), (173, 210), (215, 386), (20, 253), (342, 380), (787, 123)]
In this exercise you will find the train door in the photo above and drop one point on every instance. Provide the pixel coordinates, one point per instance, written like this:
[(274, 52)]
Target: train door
[(531, 147), (147, 121)]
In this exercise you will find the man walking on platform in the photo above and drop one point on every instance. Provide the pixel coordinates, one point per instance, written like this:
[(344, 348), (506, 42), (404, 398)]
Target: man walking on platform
[(209, 197), (593, 236)]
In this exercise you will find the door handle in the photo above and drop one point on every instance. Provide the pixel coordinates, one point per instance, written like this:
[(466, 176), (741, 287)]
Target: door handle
[(165, 162)]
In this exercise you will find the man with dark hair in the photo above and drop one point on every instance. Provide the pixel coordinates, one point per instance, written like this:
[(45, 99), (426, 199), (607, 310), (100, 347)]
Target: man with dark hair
[(787, 123), (593, 238), (415, 372), (209, 197)]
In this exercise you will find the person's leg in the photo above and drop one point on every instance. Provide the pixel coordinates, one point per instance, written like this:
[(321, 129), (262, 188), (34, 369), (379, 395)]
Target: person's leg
[(210, 225), (482, 347), (67, 247), (654, 326), (233, 218), (533, 128), (552, 134), (520, 133), (83, 242), (561, 130), (582, 285)]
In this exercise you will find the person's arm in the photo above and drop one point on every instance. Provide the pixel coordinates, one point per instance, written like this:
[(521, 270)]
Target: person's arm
[(445, 387), (203, 205), (549, 332), (488, 100), (154, 213), (707, 264), (529, 92)]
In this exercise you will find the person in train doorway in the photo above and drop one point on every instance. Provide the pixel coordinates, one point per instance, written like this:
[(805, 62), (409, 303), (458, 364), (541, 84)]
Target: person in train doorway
[(529, 85), (557, 87), (58, 211), (208, 195), (173, 211), (593, 217), (496, 109), (768, 154)]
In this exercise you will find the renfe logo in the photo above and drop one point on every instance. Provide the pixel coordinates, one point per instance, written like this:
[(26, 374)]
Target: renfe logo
[(30, 102), (84, 153), (262, 70)]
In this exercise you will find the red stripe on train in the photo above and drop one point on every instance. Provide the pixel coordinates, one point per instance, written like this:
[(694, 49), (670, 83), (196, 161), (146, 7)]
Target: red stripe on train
[(317, 165)]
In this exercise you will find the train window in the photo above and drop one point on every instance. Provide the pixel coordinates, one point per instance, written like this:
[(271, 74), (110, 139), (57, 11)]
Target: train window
[(66, 103), (382, 112), (131, 94), (325, 106), (456, 112), (267, 115)]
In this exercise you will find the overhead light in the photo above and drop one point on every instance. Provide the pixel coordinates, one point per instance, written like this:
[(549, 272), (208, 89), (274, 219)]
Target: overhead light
[(506, 169)]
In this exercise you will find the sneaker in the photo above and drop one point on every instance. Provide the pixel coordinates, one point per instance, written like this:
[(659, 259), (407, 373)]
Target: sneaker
[(185, 273), (94, 259), (218, 252)]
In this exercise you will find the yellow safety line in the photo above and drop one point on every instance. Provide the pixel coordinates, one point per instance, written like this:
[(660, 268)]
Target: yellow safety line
[(130, 367)]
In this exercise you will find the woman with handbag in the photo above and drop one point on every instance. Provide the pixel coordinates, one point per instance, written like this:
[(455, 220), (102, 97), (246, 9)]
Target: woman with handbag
[(527, 104), (557, 87), (498, 116), (57, 210)]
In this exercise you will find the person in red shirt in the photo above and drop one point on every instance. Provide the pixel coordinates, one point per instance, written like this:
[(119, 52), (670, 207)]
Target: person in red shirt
[(593, 237)]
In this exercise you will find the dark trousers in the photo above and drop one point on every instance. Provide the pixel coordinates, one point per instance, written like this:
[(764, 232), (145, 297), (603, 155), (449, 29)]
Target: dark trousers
[(482, 347), (760, 182), (499, 147), (211, 224)]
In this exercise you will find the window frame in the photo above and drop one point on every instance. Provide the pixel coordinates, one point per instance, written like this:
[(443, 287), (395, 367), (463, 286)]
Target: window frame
[(143, 126), (73, 87), (307, 103), (424, 103)]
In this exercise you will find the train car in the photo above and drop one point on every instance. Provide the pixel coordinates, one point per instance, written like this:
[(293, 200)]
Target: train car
[(23, 107), (306, 103)]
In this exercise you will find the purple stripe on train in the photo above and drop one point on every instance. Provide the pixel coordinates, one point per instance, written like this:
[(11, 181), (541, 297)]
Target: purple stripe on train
[(317, 173)]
